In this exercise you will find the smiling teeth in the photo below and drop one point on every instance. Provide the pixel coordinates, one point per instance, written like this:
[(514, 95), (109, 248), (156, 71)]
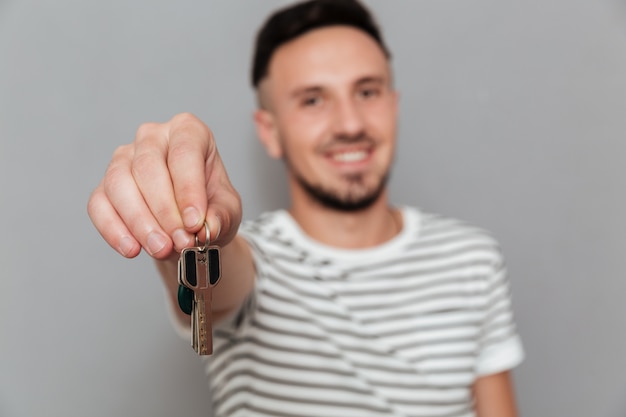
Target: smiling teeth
[(350, 156)]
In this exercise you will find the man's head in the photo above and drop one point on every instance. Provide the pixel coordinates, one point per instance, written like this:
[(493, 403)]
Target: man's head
[(291, 22), (327, 103)]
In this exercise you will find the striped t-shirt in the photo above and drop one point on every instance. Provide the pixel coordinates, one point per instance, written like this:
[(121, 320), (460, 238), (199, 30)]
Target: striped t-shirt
[(401, 329)]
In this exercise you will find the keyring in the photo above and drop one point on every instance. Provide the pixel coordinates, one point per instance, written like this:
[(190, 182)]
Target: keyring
[(207, 237)]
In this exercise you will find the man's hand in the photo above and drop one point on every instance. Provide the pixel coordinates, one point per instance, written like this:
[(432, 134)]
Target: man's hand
[(158, 191)]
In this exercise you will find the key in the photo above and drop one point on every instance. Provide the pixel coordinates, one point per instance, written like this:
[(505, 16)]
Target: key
[(199, 272)]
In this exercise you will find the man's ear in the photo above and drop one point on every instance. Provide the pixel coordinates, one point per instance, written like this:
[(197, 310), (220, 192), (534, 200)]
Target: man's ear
[(267, 132)]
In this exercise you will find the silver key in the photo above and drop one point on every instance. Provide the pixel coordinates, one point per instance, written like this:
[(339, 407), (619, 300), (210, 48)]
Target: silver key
[(199, 270)]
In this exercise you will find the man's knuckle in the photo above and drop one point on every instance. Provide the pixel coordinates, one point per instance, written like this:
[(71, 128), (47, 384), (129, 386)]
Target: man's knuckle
[(178, 151), (142, 162), (146, 131), (113, 180), (93, 204), (121, 152), (187, 125), (185, 118)]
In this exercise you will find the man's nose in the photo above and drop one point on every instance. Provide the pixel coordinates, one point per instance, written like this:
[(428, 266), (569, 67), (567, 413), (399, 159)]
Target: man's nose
[(348, 118)]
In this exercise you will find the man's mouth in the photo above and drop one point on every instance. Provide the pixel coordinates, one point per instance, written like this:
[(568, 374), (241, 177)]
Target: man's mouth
[(350, 156)]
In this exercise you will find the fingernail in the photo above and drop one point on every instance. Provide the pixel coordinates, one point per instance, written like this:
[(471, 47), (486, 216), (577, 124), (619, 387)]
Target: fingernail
[(126, 245), (191, 217), (156, 242), (181, 239)]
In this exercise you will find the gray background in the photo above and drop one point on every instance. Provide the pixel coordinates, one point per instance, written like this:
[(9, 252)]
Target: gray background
[(513, 117)]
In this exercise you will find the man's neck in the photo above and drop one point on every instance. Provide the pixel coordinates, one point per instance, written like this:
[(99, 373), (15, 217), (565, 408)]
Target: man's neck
[(348, 229)]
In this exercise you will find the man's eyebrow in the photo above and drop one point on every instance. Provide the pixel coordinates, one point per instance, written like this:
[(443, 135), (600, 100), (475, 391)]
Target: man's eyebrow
[(314, 89), (372, 79)]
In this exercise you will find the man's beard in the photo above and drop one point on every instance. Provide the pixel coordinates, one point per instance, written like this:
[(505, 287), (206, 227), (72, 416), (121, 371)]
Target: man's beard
[(349, 201), (355, 199)]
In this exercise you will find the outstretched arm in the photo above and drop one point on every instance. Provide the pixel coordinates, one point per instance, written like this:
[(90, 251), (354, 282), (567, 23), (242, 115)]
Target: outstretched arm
[(157, 193)]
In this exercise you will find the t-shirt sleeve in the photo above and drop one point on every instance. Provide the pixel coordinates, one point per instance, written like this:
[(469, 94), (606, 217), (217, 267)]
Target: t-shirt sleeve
[(236, 320), (500, 345)]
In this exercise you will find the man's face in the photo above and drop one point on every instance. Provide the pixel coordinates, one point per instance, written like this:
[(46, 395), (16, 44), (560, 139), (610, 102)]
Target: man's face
[(333, 110)]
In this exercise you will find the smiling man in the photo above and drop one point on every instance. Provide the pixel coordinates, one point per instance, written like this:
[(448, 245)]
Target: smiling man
[(341, 304), (329, 110)]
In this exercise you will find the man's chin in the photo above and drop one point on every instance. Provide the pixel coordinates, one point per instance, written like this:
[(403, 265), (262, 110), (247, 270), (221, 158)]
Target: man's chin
[(352, 201)]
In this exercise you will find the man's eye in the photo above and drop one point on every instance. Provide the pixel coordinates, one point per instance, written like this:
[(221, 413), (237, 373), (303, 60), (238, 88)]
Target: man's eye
[(369, 92), (311, 101)]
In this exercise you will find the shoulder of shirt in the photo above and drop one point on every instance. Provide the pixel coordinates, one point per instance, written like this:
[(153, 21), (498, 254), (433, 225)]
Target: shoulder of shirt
[(434, 222)]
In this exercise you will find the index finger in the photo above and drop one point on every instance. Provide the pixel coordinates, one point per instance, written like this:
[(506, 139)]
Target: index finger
[(190, 148)]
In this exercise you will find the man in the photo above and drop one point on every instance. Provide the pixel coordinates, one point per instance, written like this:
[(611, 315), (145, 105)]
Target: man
[(341, 305)]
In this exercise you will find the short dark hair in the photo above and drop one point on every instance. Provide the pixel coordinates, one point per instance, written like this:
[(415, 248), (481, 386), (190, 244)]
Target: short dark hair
[(290, 22)]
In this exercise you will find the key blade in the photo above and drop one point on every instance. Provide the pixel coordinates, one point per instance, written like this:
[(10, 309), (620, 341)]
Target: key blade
[(202, 340)]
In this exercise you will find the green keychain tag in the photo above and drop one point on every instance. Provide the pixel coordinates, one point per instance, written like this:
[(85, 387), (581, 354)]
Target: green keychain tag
[(185, 299)]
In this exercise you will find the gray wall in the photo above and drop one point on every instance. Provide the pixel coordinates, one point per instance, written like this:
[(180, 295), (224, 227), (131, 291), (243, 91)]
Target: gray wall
[(513, 117)]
